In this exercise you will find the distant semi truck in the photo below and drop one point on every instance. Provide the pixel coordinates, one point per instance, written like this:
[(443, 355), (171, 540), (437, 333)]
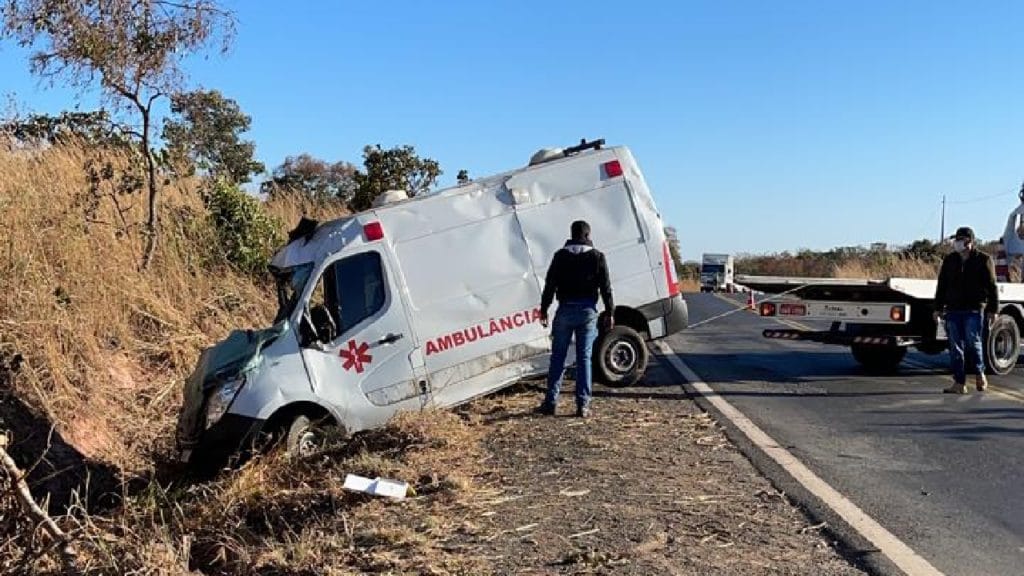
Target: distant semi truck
[(716, 273)]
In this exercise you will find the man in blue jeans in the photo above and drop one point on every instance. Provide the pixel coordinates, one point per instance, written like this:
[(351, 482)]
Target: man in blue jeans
[(965, 291), (577, 275)]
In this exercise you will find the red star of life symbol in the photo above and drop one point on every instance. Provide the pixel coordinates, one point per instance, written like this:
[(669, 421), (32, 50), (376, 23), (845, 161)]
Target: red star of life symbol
[(355, 356)]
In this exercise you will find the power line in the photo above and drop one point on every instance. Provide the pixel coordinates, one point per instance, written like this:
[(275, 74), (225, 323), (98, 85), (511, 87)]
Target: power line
[(981, 198)]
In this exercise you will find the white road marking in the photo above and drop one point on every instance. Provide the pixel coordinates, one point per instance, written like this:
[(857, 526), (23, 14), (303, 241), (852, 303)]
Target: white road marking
[(888, 544)]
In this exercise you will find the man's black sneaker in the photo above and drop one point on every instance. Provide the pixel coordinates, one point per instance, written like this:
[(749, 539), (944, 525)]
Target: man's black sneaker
[(544, 410), (583, 412)]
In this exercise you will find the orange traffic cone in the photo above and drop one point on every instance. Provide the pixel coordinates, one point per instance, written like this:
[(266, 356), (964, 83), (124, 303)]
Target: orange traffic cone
[(751, 304)]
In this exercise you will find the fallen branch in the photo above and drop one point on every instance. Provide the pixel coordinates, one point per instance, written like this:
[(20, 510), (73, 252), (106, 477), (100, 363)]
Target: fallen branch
[(29, 506)]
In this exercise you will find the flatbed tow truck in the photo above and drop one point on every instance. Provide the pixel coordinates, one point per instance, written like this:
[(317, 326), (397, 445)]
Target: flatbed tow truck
[(880, 320)]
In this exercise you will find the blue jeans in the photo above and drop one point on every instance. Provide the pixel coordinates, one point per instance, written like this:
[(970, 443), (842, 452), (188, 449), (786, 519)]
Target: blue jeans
[(579, 320), (963, 329)]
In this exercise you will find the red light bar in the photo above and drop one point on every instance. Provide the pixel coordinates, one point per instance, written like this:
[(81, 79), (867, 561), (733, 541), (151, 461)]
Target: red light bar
[(670, 271), (612, 169), (373, 231)]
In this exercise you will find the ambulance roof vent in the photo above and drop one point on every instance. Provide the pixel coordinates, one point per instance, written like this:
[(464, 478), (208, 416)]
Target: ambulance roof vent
[(390, 197), (546, 155)]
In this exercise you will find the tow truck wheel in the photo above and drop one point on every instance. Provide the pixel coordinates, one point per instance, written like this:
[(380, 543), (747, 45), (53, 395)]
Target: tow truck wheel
[(1002, 346), (620, 356), (878, 359), (306, 436)]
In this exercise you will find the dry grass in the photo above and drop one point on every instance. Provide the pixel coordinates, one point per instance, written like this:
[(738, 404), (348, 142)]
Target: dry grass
[(688, 285), (101, 350), (278, 515), (106, 346), (895, 267)]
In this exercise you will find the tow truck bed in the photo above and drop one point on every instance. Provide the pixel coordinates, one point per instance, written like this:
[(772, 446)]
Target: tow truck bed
[(861, 290), (880, 319)]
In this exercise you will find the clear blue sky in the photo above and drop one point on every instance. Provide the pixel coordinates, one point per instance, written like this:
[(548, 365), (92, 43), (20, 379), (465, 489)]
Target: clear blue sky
[(761, 126)]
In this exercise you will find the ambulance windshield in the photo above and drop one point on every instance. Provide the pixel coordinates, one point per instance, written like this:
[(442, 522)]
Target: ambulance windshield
[(290, 282)]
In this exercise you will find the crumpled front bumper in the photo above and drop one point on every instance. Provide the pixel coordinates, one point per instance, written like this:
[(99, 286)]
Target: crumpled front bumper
[(198, 444), (215, 445)]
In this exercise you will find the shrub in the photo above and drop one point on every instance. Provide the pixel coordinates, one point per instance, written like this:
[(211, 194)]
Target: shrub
[(246, 232)]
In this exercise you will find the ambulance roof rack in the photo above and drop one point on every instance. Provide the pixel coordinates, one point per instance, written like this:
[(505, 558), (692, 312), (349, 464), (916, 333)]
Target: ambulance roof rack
[(584, 145)]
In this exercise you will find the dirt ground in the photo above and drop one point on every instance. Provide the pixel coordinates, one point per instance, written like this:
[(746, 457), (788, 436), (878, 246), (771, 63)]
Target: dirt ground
[(648, 485)]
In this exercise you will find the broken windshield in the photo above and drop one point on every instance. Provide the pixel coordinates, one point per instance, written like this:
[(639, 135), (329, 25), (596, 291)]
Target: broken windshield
[(290, 282)]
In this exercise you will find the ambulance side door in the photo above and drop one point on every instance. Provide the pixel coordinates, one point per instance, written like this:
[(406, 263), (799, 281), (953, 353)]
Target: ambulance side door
[(361, 353)]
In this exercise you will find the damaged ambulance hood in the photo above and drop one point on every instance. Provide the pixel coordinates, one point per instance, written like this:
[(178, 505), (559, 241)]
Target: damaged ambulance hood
[(232, 357)]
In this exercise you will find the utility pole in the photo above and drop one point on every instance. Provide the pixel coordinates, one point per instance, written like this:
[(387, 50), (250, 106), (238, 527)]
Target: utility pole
[(942, 221)]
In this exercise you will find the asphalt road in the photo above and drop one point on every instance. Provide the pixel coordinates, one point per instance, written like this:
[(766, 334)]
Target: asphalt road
[(943, 473)]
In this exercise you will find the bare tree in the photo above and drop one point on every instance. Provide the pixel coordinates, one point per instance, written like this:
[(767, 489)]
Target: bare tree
[(133, 48)]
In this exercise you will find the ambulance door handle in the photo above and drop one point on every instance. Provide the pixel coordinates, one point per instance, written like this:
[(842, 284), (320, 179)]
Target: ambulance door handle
[(390, 339)]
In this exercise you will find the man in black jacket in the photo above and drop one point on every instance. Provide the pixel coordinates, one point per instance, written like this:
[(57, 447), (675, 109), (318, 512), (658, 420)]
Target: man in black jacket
[(966, 287), (578, 273)]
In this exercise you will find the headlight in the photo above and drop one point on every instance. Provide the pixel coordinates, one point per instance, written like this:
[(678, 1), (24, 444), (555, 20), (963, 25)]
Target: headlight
[(219, 400)]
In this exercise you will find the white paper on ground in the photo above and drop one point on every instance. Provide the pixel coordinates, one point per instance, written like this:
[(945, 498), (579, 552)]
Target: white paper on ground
[(377, 486)]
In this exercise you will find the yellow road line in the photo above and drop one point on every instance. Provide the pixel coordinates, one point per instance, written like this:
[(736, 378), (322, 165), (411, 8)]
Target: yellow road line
[(730, 301), (1007, 392)]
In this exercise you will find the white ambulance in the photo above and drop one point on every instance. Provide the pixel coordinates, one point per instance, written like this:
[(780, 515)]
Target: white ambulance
[(432, 301)]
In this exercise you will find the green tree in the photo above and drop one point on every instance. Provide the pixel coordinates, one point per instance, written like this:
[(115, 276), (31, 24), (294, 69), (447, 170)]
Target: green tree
[(312, 177), (205, 134), (133, 48), (398, 168)]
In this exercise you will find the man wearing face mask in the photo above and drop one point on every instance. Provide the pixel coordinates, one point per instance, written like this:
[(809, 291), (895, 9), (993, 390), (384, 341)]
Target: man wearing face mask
[(966, 296)]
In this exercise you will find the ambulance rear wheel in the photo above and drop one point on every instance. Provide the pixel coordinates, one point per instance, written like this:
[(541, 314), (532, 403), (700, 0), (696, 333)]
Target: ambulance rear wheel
[(878, 359), (1002, 347), (620, 357)]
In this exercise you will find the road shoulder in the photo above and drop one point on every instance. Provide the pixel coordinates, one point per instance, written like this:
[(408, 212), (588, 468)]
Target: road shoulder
[(649, 485)]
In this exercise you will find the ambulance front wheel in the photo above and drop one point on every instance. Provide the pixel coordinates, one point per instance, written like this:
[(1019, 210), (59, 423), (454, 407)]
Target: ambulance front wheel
[(620, 356), (307, 436)]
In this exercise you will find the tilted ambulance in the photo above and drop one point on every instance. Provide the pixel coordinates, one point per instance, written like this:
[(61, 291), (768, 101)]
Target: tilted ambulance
[(432, 301)]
